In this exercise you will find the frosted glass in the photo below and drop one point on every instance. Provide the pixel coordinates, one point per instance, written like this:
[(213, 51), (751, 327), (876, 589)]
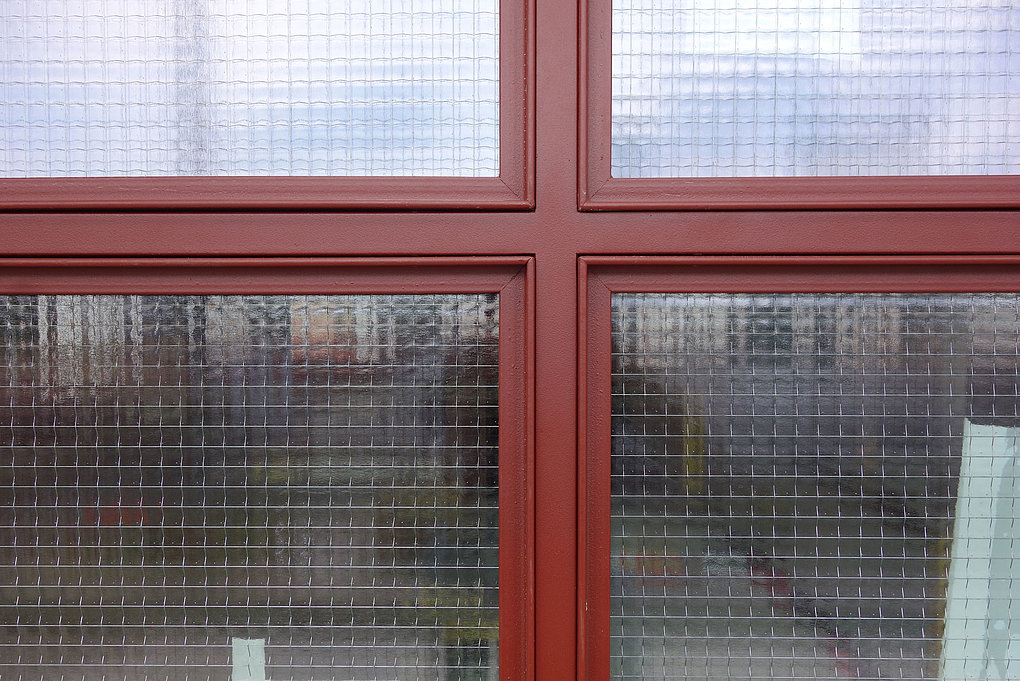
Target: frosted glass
[(815, 87), (248, 87), (814, 486), (249, 487)]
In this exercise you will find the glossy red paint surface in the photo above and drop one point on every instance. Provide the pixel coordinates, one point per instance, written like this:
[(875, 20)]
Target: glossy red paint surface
[(260, 193)]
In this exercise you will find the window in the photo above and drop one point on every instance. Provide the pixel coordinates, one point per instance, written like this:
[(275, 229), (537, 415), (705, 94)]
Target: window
[(794, 258), (806, 468), (790, 96), (287, 469), (304, 100)]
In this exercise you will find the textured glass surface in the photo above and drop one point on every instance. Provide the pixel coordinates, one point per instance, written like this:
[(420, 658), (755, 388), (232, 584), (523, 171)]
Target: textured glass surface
[(248, 487), (815, 487), (248, 87), (724, 88)]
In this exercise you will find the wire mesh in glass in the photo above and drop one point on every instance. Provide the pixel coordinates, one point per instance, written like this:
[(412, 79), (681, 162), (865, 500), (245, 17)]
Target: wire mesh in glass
[(815, 486), (249, 487), (815, 87), (248, 87)]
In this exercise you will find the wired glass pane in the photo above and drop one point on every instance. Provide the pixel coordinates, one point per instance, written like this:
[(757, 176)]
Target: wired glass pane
[(722, 88), (248, 87), (249, 487), (815, 486)]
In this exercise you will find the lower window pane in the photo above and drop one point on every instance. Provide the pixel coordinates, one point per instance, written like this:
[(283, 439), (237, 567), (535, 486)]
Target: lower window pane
[(815, 486), (248, 487)]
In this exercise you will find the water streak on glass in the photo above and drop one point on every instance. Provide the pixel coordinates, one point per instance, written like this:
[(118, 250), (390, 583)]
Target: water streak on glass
[(815, 486), (724, 88), (248, 87), (249, 487)]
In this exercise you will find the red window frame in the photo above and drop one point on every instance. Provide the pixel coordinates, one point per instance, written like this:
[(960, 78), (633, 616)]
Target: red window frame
[(555, 233), (512, 189), (511, 278), (598, 190), (601, 277)]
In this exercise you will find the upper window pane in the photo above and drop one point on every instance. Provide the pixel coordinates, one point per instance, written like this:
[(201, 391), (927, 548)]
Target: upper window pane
[(248, 87), (815, 88)]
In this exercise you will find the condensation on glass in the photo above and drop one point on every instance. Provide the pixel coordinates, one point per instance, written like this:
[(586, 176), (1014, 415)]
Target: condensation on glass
[(815, 486), (248, 87), (815, 87), (249, 487)]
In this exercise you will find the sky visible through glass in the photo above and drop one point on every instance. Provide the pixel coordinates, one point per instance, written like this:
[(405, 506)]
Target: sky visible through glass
[(249, 87), (815, 87)]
